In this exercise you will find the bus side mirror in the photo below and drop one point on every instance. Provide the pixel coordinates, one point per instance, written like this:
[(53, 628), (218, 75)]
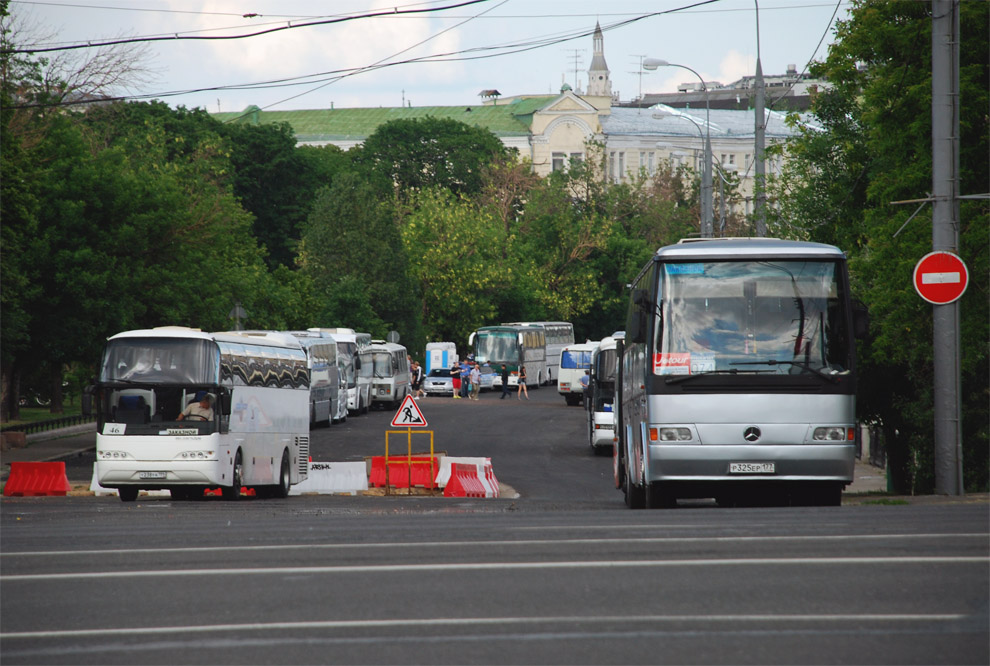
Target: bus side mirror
[(637, 326), (225, 402), (86, 405), (861, 320), (357, 362)]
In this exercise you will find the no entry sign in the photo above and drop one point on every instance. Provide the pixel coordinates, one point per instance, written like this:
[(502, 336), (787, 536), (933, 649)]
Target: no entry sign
[(940, 277)]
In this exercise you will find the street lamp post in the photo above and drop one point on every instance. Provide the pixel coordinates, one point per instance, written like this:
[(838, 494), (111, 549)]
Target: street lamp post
[(706, 173)]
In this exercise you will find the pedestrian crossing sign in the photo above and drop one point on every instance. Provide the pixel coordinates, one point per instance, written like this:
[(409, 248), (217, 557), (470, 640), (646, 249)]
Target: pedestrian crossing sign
[(409, 415)]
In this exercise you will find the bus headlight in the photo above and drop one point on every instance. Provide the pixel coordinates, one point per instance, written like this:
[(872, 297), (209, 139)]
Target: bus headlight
[(670, 434), (196, 455), (112, 455), (831, 434)]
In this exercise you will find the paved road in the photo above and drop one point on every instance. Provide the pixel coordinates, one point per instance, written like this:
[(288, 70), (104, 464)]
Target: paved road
[(561, 574)]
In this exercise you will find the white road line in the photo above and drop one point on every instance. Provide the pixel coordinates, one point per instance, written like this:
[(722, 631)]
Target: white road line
[(489, 543), (482, 621), (490, 566)]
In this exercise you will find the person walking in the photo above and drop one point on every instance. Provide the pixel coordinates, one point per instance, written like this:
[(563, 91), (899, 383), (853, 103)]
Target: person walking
[(505, 382), (522, 384), (455, 374), (475, 382)]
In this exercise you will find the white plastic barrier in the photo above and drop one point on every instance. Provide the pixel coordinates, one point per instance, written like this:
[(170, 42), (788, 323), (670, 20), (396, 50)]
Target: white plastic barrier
[(483, 465), (331, 478)]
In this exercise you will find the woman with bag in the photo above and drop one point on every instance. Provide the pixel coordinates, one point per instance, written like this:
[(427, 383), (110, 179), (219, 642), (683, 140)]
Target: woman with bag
[(522, 384)]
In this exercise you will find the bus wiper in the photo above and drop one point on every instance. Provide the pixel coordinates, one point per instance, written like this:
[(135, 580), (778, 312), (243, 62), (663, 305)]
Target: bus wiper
[(677, 379), (803, 365)]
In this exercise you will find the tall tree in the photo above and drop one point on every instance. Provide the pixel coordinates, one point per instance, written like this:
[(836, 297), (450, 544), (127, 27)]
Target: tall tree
[(875, 148)]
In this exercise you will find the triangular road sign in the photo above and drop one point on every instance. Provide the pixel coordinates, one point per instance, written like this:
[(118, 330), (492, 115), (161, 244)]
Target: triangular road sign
[(409, 415)]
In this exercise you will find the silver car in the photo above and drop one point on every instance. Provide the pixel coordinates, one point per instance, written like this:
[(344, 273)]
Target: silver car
[(439, 382)]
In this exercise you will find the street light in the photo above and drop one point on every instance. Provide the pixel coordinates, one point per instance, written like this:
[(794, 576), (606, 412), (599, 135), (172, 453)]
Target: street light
[(706, 174)]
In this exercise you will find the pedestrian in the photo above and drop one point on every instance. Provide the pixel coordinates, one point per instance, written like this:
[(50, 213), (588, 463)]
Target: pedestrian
[(417, 381), (522, 384), (455, 374), (475, 382), (505, 382), (465, 379)]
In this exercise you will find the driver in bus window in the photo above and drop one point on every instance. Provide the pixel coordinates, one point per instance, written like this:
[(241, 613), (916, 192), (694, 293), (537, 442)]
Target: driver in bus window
[(202, 410)]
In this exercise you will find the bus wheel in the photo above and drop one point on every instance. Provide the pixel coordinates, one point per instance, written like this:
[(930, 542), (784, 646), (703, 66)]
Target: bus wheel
[(232, 493), (635, 495), (127, 493), (282, 489)]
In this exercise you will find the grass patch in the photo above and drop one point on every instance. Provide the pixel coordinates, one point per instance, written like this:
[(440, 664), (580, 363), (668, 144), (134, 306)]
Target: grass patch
[(887, 501), (35, 414)]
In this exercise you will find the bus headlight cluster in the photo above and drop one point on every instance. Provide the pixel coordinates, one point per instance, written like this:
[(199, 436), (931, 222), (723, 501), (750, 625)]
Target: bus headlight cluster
[(832, 434), (671, 434), (196, 455), (112, 455)]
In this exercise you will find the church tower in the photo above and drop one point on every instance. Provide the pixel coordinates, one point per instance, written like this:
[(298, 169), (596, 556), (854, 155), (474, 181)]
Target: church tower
[(599, 85)]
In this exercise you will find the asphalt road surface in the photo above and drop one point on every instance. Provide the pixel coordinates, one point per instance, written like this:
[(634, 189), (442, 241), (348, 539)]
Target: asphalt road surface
[(560, 574)]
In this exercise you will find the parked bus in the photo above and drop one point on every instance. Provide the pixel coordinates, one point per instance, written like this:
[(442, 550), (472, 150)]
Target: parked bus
[(391, 381), (737, 376), (513, 345), (600, 398), (254, 390), (575, 362), (557, 334), (327, 377), (353, 356)]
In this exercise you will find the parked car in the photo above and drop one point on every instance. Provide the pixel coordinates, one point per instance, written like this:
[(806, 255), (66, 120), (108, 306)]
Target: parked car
[(439, 382), (488, 376)]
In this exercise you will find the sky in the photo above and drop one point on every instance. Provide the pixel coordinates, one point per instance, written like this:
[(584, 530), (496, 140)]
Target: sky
[(433, 56)]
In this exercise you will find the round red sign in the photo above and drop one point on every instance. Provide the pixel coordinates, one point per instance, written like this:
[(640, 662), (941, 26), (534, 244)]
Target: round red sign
[(940, 277)]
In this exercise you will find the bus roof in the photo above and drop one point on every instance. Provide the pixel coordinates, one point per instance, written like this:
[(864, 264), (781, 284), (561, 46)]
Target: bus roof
[(267, 338), (740, 248), (590, 345)]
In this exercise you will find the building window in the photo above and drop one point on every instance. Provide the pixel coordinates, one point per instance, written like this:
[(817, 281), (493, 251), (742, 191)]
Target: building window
[(622, 167), (611, 166), (558, 162), (651, 164), (732, 158), (747, 161), (577, 157)]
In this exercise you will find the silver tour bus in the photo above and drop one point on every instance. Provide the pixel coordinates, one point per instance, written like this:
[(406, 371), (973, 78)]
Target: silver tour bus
[(737, 376)]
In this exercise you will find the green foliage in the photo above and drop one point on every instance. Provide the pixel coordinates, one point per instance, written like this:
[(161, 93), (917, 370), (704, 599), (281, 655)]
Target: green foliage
[(430, 152), (876, 148)]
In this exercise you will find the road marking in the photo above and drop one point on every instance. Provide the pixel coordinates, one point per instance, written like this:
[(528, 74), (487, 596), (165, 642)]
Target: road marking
[(483, 621), (489, 543), (489, 566)]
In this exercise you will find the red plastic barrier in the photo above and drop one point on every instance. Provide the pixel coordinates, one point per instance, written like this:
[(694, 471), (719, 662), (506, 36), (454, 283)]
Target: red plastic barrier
[(34, 479), (424, 471), (464, 482), (492, 481)]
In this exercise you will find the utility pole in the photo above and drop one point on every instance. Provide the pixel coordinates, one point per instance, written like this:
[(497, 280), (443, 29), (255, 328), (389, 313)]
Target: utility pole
[(759, 209), (639, 72), (577, 62), (945, 237)]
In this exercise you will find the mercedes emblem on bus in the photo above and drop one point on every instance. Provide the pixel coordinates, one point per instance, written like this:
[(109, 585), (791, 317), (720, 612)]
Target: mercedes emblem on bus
[(752, 434)]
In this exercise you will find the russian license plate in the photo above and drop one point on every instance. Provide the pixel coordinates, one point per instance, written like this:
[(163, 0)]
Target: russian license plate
[(152, 475), (751, 468)]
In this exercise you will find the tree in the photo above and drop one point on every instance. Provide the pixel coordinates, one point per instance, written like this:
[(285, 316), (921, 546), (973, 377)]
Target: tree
[(430, 152), (875, 148)]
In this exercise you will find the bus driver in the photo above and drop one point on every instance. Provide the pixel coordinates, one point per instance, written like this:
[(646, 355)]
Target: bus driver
[(200, 410)]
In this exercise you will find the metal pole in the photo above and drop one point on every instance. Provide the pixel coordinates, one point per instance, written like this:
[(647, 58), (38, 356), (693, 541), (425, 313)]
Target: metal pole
[(945, 236), (759, 209)]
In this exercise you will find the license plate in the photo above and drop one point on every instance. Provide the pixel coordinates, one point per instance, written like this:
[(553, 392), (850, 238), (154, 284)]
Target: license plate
[(751, 468), (152, 475)]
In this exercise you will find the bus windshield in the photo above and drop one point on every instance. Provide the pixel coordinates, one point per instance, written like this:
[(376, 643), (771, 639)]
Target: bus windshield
[(382, 364), (769, 317), (575, 359), (496, 347), (160, 361)]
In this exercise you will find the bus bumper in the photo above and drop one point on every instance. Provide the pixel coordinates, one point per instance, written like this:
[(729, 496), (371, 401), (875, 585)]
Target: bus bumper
[(797, 462), (161, 474)]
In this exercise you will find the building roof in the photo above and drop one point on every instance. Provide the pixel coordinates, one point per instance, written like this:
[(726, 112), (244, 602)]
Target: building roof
[(725, 123), (326, 125)]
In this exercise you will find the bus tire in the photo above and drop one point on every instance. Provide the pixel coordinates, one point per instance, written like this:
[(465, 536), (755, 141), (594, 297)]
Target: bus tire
[(232, 493), (635, 495), (284, 478), (127, 493)]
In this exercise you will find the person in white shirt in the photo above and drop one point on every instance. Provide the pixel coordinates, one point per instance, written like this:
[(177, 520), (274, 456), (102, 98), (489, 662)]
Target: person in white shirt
[(202, 410)]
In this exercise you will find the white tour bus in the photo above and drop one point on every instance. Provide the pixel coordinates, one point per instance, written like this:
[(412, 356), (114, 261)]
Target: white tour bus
[(557, 335), (352, 354), (601, 395), (575, 361), (327, 377), (514, 345), (391, 382), (737, 375), (256, 387)]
